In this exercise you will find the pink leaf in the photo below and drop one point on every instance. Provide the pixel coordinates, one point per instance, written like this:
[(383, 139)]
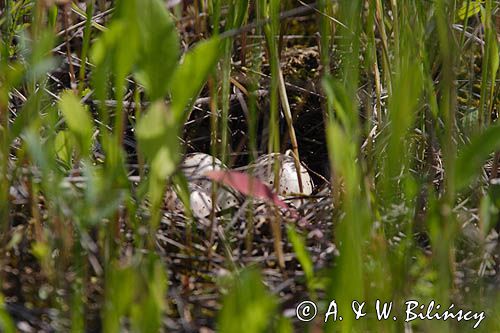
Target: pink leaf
[(247, 185)]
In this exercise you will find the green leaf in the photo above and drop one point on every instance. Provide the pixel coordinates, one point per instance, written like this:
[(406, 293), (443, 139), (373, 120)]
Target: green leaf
[(6, 323), (238, 11), (341, 102), (52, 15), (37, 150), (158, 48), (40, 250), (120, 292), (403, 104), (283, 325), (147, 314), (103, 46), (474, 155), (494, 59), (469, 120), (190, 76), (487, 214), (494, 192), (157, 135), (474, 8), (248, 307), (300, 250), (77, 118), (63, 146), (114, 52), (137, 292), (342, 154), (41, 61)]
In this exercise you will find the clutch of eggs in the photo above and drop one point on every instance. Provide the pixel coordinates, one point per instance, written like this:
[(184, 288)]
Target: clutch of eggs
[(195, 165)]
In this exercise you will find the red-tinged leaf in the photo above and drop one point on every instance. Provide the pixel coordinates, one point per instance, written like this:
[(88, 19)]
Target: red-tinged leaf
[(246, 185)]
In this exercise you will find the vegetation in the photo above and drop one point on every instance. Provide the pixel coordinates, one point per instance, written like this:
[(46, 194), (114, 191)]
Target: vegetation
[(393, 105)]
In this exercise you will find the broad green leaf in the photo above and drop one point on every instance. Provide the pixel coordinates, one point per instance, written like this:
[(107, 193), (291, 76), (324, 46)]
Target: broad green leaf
[(469, 120), (474, 8), (112, 49), (102, 46), (158, 48), (40, 60), (52, 15), (487, 214), (403, 103), (37, 150), (337, 94), (77, 118), (121, 289), (164, 162), (37, 53), (63, 146), (6, 323), (494, 192), (40, 250), (491, 42), (157, 136), (494, 58), (248, 307), (138, 292), (301, 252), (147, 314), (101, 200), (342, 153), (283, 325), (474, 155), (190, 76)]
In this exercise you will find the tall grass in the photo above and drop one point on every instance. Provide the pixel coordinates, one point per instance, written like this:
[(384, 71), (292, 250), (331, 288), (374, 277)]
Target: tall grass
[(402, 168)]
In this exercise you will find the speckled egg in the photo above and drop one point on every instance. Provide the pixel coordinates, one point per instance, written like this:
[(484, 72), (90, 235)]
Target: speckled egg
[(199, 199), (196, 165), (289, 183)]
